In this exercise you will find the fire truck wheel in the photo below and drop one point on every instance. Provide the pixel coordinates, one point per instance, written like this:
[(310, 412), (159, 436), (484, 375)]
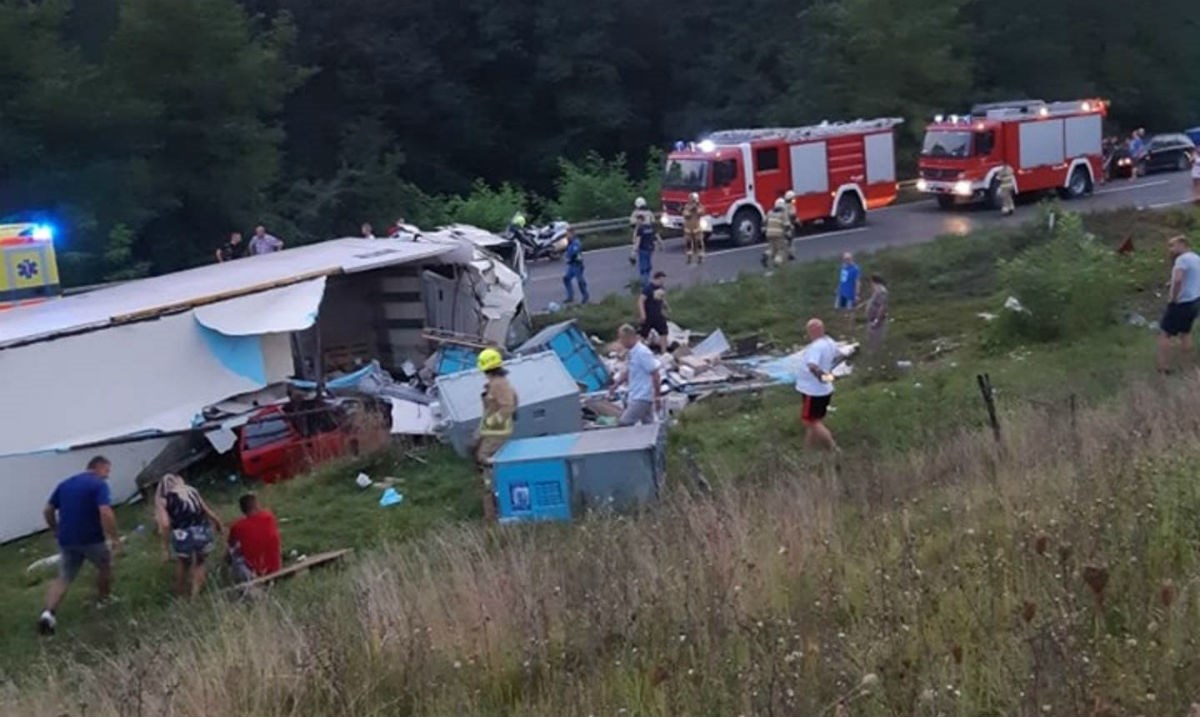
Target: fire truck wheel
[(1182, 164), (849, 212), (1078, 185), (746, 227)]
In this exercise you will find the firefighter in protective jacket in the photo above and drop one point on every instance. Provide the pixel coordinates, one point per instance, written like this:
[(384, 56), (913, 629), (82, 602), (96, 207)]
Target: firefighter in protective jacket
[(496, 423), (641, 213), (1007, 189), (779, 232), (693, 228)]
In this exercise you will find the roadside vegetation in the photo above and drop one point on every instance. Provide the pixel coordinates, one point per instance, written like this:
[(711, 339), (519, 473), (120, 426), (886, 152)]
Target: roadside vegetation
[(929, 570)]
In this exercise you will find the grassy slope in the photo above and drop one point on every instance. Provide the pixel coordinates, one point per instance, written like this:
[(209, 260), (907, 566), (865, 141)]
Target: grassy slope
[(937, 291)]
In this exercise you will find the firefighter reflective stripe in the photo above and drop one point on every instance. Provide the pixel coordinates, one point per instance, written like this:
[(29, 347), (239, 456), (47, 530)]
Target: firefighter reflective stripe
[(499, 405), (776, 223), (692, 214), (1007, 180)]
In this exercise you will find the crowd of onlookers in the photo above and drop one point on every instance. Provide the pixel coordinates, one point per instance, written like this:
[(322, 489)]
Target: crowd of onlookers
[(80, 513)]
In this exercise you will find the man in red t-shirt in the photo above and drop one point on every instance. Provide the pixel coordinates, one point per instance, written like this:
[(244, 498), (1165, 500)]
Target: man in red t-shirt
[(254, 545)]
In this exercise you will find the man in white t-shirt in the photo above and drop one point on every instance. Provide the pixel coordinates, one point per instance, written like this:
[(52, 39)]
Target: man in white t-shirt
[(814, 383), (644, 377)]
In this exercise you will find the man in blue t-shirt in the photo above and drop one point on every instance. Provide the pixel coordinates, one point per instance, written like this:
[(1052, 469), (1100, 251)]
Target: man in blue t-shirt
[(847, 293), (80, 514)]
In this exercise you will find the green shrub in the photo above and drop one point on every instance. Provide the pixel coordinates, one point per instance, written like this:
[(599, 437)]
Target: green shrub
[(487, 207), (593, 189), (1067, 286)]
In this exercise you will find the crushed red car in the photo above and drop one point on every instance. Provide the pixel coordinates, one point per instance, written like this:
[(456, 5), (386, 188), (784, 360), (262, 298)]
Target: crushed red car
[(282, 441)]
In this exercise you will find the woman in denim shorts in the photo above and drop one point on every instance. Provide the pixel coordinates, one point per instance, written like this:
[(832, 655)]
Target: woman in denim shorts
[(188, 528)]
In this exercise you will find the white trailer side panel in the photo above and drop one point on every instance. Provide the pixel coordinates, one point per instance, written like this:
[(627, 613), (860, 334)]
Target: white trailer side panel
[(1041, 143), (810, 170), (1084, 135), (881, 157)]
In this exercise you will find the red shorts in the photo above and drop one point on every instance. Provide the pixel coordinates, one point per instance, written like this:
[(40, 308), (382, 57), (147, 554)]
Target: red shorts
[(814, 408)]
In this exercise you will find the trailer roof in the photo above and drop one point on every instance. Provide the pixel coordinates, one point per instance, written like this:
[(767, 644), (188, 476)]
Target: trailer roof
[(168, 293)]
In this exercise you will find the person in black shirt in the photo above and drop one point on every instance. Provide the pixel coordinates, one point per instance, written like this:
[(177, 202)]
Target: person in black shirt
[(652, 309), (188, 528), (232, 249)]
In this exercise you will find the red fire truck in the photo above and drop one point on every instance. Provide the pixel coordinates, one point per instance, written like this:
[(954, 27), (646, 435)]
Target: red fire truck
[(1053, 145), (838, 171)]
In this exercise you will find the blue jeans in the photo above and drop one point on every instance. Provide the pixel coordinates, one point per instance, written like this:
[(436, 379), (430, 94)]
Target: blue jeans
[(575, 274), (644, 267)]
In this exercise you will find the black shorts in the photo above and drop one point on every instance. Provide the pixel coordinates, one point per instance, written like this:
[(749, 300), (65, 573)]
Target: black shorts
[(814, 408), (1178, 318), (659, 325)]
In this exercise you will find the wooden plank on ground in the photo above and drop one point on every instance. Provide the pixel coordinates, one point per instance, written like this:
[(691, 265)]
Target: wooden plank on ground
[(313, 561)]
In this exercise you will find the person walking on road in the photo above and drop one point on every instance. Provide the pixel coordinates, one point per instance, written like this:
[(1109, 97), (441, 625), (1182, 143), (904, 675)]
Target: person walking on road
[(188, 528), (652, 309), (574, 273), (1182, 304), (645, 240), (496, 425), (643, 376), (789, 206), (778, 232), (80, 514), (1006, 190), (877, 313), (264, 243), (693, 228), (814, 383), (641, 213)]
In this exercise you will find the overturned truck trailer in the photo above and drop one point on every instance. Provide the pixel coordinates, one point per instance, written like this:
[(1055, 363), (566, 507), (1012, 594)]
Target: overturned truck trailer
[(126, 369)]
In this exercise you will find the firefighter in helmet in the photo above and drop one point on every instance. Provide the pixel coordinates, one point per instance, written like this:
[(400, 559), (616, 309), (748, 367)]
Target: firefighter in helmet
[(1006, 189), (640, 212), (496, 423), (693, 228), (778, 233), (793, 226)]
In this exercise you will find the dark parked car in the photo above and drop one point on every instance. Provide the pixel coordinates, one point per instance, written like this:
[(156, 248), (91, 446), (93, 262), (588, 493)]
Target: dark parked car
[(1163, 153), (1168, 152)]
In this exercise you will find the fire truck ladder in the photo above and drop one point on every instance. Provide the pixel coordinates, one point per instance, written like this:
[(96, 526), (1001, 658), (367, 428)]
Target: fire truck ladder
[(816, 131)]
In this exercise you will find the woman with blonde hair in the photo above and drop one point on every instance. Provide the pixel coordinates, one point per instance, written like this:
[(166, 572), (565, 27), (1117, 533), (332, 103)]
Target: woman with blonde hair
[(188, 528)]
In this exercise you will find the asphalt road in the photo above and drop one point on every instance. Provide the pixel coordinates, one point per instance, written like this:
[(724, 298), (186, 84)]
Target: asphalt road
[(608, 270)]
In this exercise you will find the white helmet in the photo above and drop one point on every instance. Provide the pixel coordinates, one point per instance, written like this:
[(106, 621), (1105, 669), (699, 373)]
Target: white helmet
[(640, 202), (779, 203), (790, 196), (694, 197)]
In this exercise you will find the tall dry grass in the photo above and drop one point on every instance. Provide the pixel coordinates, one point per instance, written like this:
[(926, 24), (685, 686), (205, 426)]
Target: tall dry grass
[(1055, 575)]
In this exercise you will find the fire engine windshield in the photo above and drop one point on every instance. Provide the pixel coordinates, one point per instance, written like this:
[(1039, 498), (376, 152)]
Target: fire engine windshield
[(690, 174), (942, 143)]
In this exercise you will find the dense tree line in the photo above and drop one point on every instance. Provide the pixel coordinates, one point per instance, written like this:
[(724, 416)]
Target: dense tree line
[(152, 127)]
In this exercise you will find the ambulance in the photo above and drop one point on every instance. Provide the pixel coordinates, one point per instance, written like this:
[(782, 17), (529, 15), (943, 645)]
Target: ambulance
[(30, 271)]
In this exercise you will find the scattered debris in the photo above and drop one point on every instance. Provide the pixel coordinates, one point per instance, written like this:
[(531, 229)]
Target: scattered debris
[(1014, 304), (1136, 319), (390, 497), (575, 351), (363, 481), (986, 316)]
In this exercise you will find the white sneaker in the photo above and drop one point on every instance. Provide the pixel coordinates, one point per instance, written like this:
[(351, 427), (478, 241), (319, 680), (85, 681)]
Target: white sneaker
[(46, 623)]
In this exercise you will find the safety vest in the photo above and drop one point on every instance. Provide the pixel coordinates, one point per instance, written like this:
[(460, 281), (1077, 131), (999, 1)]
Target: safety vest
[(499, 406), (776, 224), (692, 214)]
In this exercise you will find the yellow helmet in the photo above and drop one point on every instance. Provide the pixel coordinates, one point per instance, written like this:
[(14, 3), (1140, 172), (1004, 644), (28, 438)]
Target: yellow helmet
[(490, 360)]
